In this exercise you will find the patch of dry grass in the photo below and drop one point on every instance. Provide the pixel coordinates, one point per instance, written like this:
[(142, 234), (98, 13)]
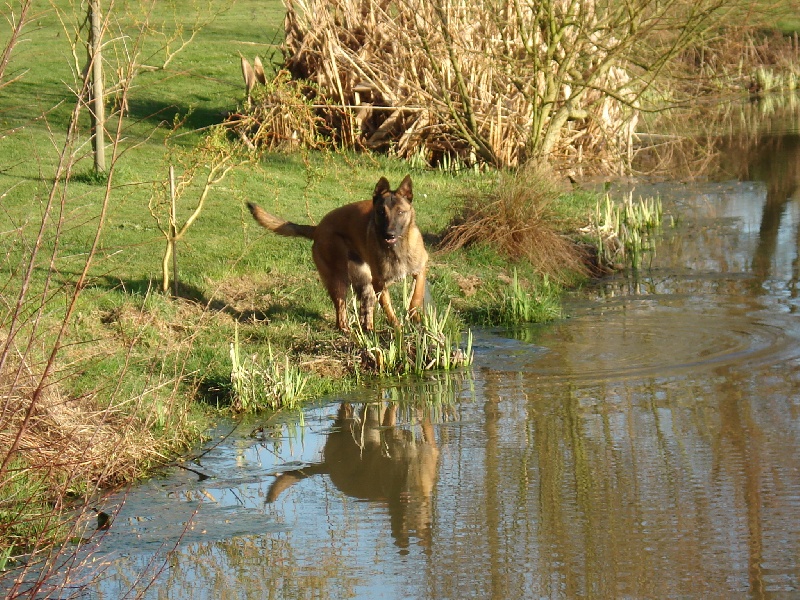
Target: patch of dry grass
[(518, 222), (60, 449), (75, 442)]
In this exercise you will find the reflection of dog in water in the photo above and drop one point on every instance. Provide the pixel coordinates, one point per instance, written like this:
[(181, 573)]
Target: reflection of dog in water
[(367, 456)]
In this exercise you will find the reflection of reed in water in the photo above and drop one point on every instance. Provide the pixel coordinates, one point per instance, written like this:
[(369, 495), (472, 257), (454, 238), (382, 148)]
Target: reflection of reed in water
[(369, 457), (695, 142)]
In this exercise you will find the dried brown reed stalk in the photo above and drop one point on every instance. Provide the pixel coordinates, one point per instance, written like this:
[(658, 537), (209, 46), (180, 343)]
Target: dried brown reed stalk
[(731, 59), (281, 114), (495, 82), (516, 221)]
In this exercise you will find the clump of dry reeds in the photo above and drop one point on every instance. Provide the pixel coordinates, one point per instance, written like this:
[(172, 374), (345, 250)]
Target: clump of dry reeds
[(517, 221), (281, 113), (74, 440), (476, 81), (59, 452), (748, 54)]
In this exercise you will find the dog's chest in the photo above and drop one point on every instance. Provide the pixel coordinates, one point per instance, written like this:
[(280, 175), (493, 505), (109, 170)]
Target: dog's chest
[(395, 266), (395, 263)]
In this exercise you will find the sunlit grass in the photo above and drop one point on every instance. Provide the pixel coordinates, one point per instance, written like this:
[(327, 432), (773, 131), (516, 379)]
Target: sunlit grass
[(520, 301), (521, 306), (25, 514)]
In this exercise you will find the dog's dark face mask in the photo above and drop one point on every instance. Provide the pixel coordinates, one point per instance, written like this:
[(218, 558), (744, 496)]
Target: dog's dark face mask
[(392, 210)]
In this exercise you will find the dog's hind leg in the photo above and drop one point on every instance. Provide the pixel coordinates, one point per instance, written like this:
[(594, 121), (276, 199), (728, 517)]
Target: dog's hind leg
[(333, 274), (337, 290)]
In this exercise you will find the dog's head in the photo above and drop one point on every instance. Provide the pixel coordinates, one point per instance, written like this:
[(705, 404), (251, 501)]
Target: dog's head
[(392, 210)]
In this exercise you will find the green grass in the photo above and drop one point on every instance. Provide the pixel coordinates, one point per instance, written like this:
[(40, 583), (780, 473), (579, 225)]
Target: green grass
[(233, 275), (163, 365), (25, 514)]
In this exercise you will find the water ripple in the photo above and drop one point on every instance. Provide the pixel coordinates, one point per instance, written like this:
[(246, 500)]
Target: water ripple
[(643, 337)]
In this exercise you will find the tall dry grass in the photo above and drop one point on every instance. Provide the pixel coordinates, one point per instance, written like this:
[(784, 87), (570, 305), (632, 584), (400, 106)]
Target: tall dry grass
[(517, 220), (492, 82), (480, 81)]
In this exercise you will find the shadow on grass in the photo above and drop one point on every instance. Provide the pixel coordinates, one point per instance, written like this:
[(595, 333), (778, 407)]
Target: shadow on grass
[(215, 392), (142, 287), (157, 112)]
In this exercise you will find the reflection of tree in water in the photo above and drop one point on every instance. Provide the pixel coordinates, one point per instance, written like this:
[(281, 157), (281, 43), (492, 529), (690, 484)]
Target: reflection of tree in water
[(764, 146), (370, 457), (775, 160)]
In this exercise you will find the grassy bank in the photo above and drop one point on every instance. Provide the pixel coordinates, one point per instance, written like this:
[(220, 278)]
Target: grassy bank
[(102, 376)]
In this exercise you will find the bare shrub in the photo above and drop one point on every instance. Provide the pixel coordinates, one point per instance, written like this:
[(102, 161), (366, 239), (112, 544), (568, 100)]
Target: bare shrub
[(59, 448), (516, 220), (17, 21)]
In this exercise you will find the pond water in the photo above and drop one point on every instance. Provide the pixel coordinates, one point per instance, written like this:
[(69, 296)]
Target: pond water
[(646, 446)]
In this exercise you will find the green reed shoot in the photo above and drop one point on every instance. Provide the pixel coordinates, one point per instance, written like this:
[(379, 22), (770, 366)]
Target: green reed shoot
[(535, 301), (520, 306), (433, 344), (259, 385), (624, 231)]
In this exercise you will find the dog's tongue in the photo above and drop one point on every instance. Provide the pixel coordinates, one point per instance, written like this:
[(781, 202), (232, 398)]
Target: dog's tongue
[(390, 240)]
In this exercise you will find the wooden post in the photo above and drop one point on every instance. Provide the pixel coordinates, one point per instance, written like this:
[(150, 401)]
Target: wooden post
[(98, 111)]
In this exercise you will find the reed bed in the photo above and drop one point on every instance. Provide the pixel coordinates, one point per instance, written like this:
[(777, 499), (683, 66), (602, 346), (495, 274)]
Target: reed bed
[(624, 231), (436, 343), (259, 384), (474, 81)]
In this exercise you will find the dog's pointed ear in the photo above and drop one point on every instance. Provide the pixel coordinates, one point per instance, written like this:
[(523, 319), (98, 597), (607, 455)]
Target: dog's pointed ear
[(381, 188), (405, 188)]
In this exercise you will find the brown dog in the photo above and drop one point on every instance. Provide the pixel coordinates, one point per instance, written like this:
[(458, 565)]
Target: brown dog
[(368, 245)]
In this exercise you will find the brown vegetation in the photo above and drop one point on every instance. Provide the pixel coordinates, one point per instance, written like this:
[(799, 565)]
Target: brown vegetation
[(516, 220), (280, 114), (456, 82), (496, 83), (74, 442)]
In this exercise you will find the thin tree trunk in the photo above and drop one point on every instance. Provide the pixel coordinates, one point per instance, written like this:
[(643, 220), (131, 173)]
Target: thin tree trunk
[(98, 111)]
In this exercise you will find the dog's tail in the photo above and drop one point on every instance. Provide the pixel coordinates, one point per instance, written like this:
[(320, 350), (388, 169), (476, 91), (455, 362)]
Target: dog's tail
[(280, 226)]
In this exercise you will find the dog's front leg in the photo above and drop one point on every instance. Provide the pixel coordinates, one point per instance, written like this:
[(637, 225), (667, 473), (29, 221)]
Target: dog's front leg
[(414, 307), (361, 280), (386, 304)]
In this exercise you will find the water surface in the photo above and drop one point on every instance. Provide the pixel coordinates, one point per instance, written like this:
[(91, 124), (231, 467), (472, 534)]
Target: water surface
[(646, 446)]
